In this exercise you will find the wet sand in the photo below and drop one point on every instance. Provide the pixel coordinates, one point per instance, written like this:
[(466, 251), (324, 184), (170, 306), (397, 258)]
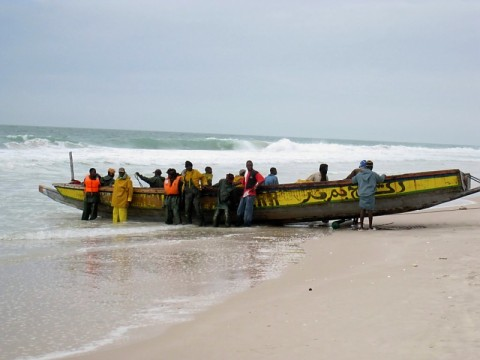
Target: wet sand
[(410, 290)]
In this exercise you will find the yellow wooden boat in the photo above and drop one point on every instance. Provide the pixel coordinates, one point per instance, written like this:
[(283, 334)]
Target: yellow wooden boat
[(297, 202)]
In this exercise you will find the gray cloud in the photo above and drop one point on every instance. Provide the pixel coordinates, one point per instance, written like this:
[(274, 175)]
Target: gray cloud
[(372, 70)]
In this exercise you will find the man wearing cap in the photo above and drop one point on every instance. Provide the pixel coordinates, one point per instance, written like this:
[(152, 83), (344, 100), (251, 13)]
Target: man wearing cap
[(108, 179), (121, 196), (367, 181), (193, 181), (155, 181)]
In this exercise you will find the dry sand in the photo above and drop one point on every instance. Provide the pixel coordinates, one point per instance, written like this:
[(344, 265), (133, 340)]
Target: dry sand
[(410, 290)]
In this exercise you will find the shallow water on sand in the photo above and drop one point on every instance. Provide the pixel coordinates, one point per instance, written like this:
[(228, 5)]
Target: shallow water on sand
[(75, 293)]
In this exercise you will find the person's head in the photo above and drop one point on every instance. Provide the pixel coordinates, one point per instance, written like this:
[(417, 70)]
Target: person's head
[(208, 170), (111, 172), (171, 173), (229, 178), (93, 171), (273, 171), (369, 164), (363, 164), (323, 168), (121, 172), (323, 172), (249, 165), (188, 165), (242, 172), (158, 172)]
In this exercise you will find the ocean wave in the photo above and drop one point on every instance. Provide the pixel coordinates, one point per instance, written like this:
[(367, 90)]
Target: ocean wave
[(141, 147), (42, 143), (26, 141), (196, 143), (281, 149), (135, 140), (324, 151)]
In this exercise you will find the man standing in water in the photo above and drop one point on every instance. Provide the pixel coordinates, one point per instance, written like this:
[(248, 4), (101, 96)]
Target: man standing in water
[(367, 181), (121, 196), (92, 195), (193, 181), (173, 190), (224, 197), (250, 183)]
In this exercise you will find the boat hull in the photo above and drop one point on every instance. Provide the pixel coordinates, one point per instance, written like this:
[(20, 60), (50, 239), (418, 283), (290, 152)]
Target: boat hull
[(297, 202)]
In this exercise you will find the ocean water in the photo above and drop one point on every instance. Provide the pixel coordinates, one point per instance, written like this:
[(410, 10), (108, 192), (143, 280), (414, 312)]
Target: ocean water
[(68, 286)]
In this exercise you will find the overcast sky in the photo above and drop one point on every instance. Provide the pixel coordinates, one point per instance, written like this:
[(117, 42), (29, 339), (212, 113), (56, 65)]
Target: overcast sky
[(361, 69)]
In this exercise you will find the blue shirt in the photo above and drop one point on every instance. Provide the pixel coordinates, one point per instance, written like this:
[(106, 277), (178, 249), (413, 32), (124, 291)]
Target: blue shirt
[(271, 180), (367, 182)]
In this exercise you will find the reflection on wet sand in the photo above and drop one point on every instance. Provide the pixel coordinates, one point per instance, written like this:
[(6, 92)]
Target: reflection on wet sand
[(108, 286)]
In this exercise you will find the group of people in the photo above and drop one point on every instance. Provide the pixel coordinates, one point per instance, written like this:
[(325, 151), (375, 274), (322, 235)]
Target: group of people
[(180, 190), (92, 184), (121, 197), (185, 189)]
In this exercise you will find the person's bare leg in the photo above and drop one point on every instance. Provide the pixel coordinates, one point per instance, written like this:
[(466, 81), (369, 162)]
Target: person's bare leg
[(362, 217), (370, 219)]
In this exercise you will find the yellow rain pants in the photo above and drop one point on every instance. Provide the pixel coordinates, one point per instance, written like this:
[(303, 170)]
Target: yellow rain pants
[(120, 214)]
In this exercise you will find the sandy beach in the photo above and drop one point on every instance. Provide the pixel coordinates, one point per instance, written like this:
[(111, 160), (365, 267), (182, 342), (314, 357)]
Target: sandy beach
[(410, 290)]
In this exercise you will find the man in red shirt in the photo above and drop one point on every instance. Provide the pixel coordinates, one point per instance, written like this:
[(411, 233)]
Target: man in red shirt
[(250, 183)]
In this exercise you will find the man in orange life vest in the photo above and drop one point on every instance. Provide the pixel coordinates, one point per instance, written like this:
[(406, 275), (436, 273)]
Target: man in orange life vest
[(92, 195), (173, 191)]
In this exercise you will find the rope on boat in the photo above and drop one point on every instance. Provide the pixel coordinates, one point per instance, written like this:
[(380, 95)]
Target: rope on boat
[(474, 178)]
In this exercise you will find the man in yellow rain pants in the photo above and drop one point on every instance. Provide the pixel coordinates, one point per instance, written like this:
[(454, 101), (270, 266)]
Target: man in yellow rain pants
[(121, 196)]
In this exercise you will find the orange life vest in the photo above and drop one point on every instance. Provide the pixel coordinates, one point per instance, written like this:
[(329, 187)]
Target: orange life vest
[(172, 188), (91, 185)]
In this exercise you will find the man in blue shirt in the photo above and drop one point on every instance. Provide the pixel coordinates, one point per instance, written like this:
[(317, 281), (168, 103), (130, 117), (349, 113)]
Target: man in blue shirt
[(271, 178), (367, 181)]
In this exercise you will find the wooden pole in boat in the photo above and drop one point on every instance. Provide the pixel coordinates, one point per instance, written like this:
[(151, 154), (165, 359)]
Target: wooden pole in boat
[(136, 176), (71, 166)]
